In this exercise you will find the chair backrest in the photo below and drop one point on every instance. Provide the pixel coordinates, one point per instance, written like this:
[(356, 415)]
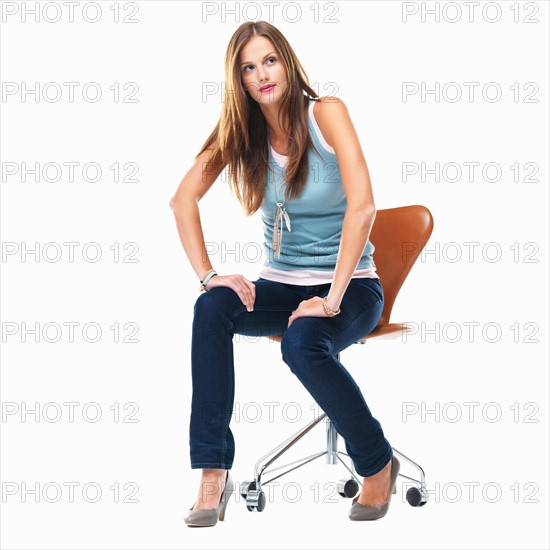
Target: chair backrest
[(399, 235)]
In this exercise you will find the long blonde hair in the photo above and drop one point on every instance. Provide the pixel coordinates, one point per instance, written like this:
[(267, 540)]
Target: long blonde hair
[(240, 137)]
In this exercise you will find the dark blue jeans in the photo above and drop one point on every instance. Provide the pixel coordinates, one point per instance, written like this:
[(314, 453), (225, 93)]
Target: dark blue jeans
[(308, 347)]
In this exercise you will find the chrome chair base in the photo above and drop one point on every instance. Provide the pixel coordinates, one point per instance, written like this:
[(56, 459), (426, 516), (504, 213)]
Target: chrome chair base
[(254, 496)]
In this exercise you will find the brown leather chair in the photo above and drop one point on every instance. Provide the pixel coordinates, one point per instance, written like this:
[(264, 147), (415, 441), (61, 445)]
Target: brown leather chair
[(399, 235)]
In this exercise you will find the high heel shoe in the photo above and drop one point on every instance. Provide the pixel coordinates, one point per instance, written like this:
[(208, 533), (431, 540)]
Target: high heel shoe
[(360, 512), (209, 518)]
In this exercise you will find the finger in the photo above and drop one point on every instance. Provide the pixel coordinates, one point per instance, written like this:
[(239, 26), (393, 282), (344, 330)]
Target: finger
[(291, 318), (252, 287), (250, 296), (237, 287), (246, 297)]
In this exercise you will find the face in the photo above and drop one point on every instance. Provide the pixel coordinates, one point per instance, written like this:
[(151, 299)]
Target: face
[(262, 72)]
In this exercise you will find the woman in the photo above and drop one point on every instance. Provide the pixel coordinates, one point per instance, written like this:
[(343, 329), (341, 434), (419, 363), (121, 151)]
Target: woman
[(297, 158)]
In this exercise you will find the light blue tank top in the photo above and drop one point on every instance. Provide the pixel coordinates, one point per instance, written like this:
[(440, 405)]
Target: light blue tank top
[(315, 218)]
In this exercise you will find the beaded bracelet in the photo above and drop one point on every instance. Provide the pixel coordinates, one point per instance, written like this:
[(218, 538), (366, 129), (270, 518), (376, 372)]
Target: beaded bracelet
[(328, 311), (204, 282)]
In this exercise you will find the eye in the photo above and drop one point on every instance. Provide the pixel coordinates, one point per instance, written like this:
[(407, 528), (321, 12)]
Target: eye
[(273, 59)]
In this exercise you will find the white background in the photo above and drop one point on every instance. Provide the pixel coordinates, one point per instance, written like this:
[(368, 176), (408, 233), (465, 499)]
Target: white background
[(364, 56)]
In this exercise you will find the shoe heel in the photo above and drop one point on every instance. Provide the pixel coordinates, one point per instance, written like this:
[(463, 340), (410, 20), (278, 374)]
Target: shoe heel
[(227, 496), (394, 492), (227, 492)]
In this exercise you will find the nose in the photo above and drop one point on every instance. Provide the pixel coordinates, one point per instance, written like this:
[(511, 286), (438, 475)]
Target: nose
[(263, 74)]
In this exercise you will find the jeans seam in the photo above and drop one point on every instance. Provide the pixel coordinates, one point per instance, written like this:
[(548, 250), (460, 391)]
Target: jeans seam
[(258, 308), (227, 419)]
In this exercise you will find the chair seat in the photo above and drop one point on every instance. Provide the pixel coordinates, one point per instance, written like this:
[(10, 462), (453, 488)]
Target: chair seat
[(389, 331)]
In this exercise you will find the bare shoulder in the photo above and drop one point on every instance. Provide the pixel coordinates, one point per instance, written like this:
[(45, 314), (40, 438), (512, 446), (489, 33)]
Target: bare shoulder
[(332, 116)]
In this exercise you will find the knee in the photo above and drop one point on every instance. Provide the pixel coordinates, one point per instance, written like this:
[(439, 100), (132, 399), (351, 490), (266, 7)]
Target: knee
[(214, 303), (301, 348), (204, 304)]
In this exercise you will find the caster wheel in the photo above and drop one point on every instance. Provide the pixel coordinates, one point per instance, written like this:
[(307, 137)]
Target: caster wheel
[(348, 488), (261, 502), (416, 497), (255, 500)]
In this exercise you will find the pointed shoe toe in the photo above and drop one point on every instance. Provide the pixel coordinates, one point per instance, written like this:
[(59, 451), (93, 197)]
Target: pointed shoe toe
[(359, 512), (201, 518)]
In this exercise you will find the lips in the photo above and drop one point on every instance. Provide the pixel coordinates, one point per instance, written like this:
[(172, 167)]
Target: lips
[(267, 88)]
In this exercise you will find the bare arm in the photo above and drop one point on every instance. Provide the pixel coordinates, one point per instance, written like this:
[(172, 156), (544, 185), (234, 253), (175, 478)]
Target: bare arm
[(185, 205), (336, 125)]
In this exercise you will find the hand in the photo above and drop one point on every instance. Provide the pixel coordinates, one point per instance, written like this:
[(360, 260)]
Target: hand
[(245, 289), (308, 308)]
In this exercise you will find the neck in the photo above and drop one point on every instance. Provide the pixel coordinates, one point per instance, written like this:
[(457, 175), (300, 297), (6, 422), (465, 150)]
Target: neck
[(271, 114)]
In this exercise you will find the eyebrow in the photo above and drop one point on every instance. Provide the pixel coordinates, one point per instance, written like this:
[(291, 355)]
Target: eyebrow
[(250, 62)]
